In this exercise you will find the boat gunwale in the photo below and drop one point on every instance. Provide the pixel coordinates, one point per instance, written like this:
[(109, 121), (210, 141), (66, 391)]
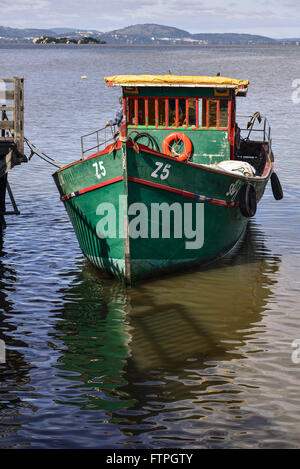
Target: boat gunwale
[(268, 168)]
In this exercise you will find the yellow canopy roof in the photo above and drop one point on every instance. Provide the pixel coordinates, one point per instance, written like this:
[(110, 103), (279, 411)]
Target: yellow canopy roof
[(174, 80)]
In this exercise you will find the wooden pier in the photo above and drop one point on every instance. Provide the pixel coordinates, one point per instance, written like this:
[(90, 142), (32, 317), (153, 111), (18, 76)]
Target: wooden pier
[(11, 135)]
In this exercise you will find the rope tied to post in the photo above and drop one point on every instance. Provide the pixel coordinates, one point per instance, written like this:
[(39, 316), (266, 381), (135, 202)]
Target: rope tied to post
[(34, 150)]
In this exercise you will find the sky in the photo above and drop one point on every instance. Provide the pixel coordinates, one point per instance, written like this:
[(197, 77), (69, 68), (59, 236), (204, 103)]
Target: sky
[(273, 18)]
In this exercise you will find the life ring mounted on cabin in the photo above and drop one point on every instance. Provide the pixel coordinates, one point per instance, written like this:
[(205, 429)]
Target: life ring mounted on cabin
[(176, 137)]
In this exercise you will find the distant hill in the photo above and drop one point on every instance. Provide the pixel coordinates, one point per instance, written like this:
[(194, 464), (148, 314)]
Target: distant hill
[(233, 38), (293, 40), (147, 33), (22, 35), (157, 34), (150, 30)]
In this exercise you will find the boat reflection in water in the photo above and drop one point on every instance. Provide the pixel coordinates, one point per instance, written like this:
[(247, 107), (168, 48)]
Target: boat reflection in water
[(202, 314), (139, 354)]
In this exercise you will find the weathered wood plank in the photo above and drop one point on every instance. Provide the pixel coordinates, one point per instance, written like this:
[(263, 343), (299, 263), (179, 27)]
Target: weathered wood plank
[(6, 163), (7, 94), (7, 80), (6, 139), (19, 114), (6, 108), (7, 124)]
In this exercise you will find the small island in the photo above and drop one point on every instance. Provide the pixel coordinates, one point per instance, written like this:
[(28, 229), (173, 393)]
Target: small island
[(66, 40)]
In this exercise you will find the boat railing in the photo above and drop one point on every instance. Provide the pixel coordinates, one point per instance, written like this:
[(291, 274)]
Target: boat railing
[(257, 127), (94, 141)]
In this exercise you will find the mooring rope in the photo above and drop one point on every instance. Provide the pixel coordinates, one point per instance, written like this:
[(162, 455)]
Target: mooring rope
[(36, 151)]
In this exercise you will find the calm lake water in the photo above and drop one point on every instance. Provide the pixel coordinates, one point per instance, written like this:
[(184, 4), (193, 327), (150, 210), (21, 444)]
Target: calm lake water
[(201, 359)]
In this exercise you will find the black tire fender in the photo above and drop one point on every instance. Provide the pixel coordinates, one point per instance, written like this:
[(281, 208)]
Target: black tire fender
[(276, 187), (247, 200)]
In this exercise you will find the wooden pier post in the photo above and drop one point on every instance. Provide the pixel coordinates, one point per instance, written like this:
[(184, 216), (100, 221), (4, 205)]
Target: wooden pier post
[(11, 133), (18, 114), (3, 181)]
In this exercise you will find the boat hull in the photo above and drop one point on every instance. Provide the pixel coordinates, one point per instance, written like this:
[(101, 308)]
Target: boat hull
[(137, 213)]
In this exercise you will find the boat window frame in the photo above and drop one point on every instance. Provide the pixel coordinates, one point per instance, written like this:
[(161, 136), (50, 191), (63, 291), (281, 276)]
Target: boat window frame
[(201, 101)]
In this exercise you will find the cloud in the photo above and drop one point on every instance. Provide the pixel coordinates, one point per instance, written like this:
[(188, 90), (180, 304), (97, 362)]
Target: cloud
[(267, 17), (24, 5)]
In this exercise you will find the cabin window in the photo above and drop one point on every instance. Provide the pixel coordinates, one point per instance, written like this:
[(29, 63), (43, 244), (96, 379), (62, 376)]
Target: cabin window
[(223, 113), (161, 112), (172, 112), (131, 112), (192, 112), (215, 113), (141, 112), (151, 111), (212, 113), (204, 113), (178, 112), (181, 112)]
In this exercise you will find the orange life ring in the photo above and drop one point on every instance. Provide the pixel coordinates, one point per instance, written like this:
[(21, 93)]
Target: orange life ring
[(177, 136)]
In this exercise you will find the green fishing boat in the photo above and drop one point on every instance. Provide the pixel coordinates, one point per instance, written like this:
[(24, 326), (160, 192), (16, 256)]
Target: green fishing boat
[(176, 184)]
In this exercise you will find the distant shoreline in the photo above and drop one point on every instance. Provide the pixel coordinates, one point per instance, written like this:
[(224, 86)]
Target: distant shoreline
[(194, 46), (146, 35)]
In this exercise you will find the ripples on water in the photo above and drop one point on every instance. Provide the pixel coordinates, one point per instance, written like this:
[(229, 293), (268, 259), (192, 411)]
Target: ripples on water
[(196, 359)]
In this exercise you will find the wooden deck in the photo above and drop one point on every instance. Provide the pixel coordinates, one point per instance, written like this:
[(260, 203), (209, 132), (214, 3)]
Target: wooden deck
[(11, 131)]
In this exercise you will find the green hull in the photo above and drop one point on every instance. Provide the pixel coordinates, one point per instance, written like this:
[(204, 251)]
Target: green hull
[(114, 203)]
